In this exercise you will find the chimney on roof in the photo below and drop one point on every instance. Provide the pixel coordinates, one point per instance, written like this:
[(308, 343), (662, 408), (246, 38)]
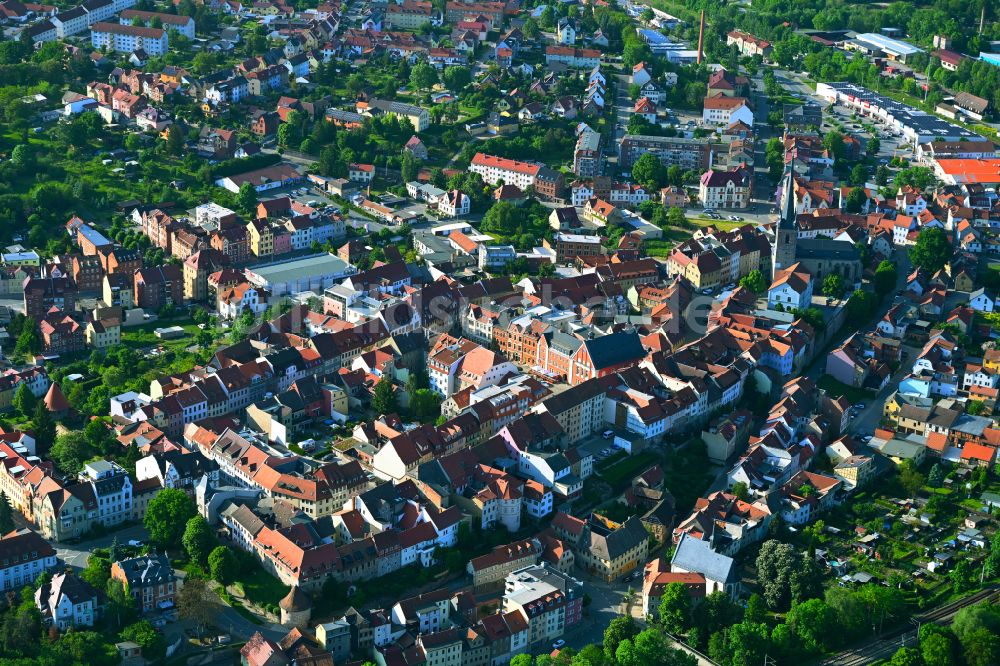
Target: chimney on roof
[(701, 35)]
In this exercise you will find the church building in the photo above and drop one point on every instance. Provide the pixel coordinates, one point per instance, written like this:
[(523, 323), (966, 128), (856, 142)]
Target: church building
[(820, 256)]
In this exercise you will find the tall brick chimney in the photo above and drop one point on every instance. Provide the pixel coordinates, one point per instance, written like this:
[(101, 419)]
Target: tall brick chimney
[(701, 35)]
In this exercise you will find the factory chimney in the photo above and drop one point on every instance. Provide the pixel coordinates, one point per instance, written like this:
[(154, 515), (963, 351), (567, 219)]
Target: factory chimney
[(701, 36)]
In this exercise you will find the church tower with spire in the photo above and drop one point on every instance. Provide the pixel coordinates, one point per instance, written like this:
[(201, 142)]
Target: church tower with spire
[(786, 233)]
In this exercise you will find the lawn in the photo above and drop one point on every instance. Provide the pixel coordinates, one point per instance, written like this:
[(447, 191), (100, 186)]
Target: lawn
[(620, 474), (723, 225), (143, 335), (259, 586), (837, 389)]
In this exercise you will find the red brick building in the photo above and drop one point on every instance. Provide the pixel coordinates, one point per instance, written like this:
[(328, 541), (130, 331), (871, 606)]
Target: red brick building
[(158, 286), (43, 293)]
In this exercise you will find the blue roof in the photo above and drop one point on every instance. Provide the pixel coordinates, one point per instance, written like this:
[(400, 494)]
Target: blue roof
[(653, 37), (992, 58), (93, 235)]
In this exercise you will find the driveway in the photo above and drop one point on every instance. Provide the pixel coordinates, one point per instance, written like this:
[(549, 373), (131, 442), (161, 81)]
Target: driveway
[(76, 554)]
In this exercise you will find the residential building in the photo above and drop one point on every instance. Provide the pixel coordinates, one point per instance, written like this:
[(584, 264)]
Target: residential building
[(149, 578), (24, 555), (129, 38)]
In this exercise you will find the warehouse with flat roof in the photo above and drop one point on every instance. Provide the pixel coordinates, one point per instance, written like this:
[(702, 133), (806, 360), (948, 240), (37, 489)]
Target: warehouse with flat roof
[(314, 273)]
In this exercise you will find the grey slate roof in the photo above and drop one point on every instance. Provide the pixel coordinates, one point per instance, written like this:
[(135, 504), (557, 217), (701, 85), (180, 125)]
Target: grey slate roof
[(697, 556), (610, 350), (616, 543), (147, 570)]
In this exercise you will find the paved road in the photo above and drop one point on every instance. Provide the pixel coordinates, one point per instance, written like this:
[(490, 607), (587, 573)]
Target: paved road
[(76, 554)]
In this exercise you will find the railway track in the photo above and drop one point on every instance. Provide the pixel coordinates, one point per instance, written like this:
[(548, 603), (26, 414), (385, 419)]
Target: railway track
[(885, 646)]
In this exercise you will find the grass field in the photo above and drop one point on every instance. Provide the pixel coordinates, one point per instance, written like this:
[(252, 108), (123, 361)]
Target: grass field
[(620, 474), (144, 336), (259, 586), (836, 389)]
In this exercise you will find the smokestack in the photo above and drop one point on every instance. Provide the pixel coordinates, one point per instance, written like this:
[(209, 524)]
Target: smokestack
[(701, 35)]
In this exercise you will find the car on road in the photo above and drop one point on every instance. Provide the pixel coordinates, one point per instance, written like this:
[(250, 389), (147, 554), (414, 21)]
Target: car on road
[(608, 434), (735, 218), (864, 439), (559, 644), (859, 406), (135, 543)]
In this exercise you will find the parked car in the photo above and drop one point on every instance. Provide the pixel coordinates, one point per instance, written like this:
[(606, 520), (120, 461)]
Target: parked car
[(608, 434)]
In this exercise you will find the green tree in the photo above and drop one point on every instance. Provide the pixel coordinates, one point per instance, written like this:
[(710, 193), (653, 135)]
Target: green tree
[(981, 647), (885, 277), (858, 176), (675, 608), (649, 172), (99, 438), (174, 144), (457, 77), (650, 648), (906, 657), (786, 574), (119, 607), (676, 217), (962, 577), (145, 635), (932, 249), (198, 539), (222, 564), (246, 198), (503, 219), (919, 178), (70, 451), (881, 175), (384, 397), (521, 660), (859, 307), (834, 286), (856, 200), (620, 629), (745, 644), (167, 515), (6, 515), (756, 610), (423, 76), (425, 405), (910, 477), (24, 400), (716, 612), (195, 602), (85, 647), (97, 572), (815, 624), (937, 646), (754, 281), (935, 478), (834, 142), (44, 426)]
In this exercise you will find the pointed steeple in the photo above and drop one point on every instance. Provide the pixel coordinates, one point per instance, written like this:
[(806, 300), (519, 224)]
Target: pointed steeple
[(786, 234), (787, 213)]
